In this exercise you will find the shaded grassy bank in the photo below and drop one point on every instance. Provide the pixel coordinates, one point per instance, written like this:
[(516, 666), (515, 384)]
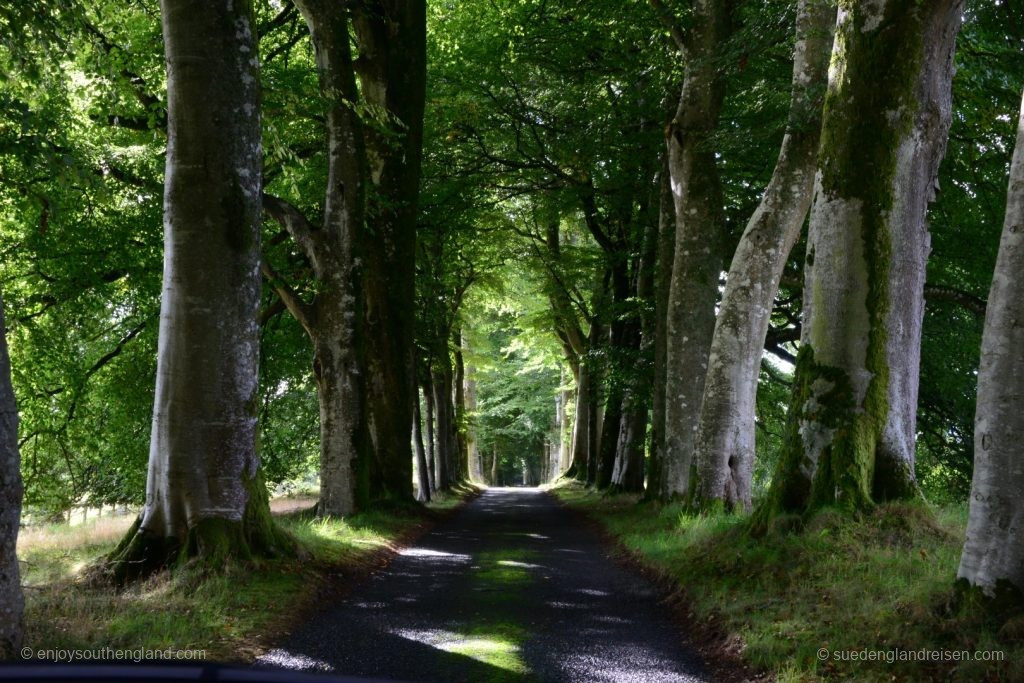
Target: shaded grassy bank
[(881, 584), (229, 615)]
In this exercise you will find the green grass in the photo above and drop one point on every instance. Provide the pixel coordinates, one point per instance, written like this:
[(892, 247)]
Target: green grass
[(229, 615), (883, 582)]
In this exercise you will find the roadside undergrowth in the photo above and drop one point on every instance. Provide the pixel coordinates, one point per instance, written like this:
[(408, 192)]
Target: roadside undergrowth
[(228, 615), (879, 588)]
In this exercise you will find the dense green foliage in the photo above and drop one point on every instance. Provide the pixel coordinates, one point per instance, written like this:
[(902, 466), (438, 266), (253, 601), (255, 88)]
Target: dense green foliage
[(537, 114)]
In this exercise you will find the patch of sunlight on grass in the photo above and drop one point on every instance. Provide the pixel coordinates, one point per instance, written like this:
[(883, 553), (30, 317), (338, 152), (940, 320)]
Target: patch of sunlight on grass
[(506, 567), (498, 645)]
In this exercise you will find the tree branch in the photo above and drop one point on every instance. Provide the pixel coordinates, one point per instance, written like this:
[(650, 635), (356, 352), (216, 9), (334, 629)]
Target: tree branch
[(301, 311), (298, 226)]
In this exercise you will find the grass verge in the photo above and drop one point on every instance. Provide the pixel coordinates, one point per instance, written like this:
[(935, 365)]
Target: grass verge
[(228, 616), (875, 595)]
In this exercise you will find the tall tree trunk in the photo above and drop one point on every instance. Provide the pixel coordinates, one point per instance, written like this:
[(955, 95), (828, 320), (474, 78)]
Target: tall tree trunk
[(205, 495), (446, 453), (697, 261), (564, 429), (12, 602), (629, 459), (459, 422), (494, 466), (431, 418), (391, 35), (609, 438), (476, 467), (422, 470), (850, 438), (663, 277), (724, 451), (993, 557)]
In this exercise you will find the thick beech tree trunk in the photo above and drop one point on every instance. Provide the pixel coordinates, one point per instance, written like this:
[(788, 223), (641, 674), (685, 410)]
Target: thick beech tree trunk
[(993, 557), (205, 496), (11, 600), (697, 261), (850, 440), (332, 320), (724, 450), (391, 35), (363, 255)]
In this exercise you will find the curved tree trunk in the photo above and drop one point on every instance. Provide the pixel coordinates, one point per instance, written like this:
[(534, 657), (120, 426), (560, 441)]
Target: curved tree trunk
[(12, 602), (993, 557), (724, 450), (697, 261), (205, 496), (850, 436)]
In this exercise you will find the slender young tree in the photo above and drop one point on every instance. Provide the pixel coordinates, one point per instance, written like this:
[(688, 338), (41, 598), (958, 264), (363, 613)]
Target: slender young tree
[(205, 495), (11, 600), (724, 450), (993, 557), (850, 439)]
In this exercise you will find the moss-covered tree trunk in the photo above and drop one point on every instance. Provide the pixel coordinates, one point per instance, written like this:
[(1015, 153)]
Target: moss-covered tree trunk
[(993, 557), (724, 450), (205, 497), (11, 600), (697, 258), (850, 439)]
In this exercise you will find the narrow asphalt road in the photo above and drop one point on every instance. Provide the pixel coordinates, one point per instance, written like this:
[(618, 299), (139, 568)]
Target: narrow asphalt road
[(512, 588)]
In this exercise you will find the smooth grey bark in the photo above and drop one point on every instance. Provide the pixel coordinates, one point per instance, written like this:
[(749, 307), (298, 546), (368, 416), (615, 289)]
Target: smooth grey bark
[(993, 554), (917, 171), (459, 414), (12, 603), (431, 421), (476, 465), (724, 449), (855, 391), (697, 259), (422, 470), (663, 277), (361, 320), (204, 493), (332, 319)]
